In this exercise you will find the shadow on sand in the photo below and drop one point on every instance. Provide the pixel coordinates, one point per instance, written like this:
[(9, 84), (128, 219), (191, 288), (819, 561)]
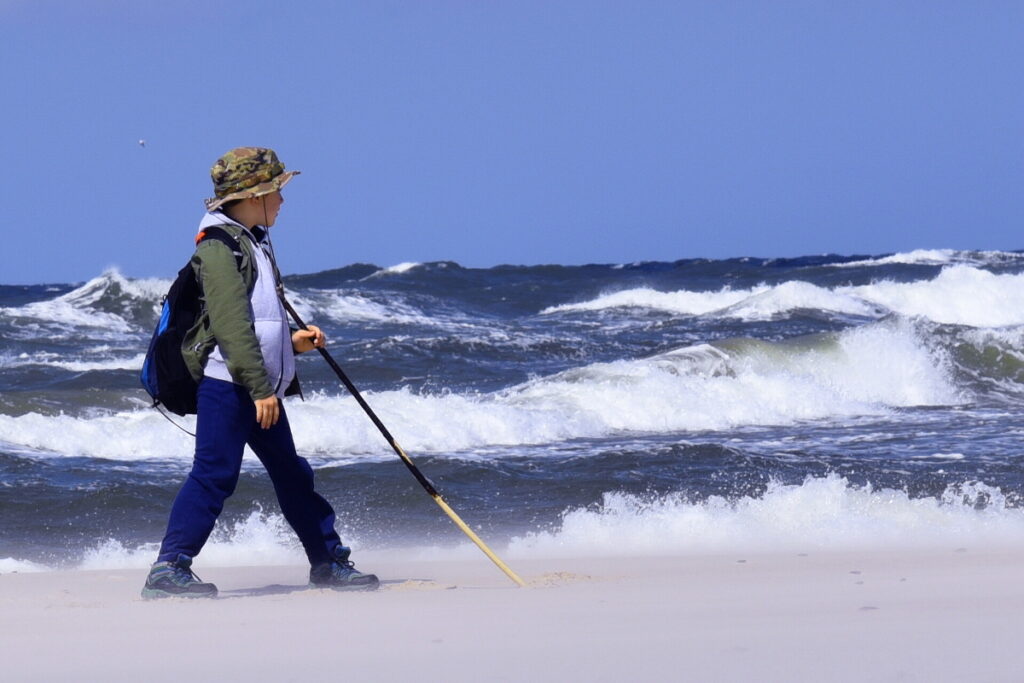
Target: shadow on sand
[(281, 589)]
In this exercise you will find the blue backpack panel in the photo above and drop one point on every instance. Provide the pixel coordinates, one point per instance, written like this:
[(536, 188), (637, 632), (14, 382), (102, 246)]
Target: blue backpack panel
[(165, 377)]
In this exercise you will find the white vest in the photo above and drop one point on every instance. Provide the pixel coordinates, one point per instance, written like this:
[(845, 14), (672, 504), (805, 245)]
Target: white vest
[(268, 317)]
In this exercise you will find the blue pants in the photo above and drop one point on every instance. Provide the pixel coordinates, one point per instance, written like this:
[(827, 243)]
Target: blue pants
[(225, 423)]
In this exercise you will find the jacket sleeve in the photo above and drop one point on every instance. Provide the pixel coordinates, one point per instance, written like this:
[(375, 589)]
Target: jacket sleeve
[(227, 305)]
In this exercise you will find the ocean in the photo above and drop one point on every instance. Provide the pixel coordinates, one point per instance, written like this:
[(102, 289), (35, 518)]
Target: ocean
[(656, 408)]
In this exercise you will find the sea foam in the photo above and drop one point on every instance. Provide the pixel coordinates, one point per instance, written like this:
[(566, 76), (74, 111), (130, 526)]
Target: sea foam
[(47, 359), (758, 303), (259, 539), (935, 257), (351, 307), (862, 371), (94, 310), (825, 513), (820, 513), (959, 294), (10, 564), (396, 269)]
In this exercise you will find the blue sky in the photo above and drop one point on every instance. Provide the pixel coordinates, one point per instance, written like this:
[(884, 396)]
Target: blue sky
[(511, 132)]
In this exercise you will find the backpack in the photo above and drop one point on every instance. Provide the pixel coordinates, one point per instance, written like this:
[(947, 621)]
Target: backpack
[(165, 377)]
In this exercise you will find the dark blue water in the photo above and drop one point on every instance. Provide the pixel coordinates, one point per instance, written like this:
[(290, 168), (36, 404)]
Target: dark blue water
[(556, 407)]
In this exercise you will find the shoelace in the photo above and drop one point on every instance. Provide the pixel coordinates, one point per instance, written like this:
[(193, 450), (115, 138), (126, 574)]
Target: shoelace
[(185, 575), (346, 564)]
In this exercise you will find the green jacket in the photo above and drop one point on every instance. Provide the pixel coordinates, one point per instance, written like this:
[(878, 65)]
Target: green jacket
[(226, 320)]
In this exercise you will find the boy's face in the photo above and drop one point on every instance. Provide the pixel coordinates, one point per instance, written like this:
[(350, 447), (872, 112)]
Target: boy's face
[(272, 205)]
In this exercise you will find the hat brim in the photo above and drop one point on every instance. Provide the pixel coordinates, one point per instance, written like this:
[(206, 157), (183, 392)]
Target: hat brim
[(275, 183)]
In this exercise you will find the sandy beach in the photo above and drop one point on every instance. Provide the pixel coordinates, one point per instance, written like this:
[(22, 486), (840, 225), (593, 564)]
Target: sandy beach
[(946, 614)]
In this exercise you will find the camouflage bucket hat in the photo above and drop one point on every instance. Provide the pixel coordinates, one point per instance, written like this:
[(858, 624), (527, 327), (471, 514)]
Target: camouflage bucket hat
[(246, 172)]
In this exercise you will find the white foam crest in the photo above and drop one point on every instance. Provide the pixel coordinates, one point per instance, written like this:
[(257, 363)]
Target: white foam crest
[(352, 307), (1007, 341), (959, 295), (884, 363), (682, 302), (934, 257), (796, 295), (131, 435), (69, 314), (758, 303), (113, 554), (928, 257), (397, 269), (869, 370), (75, 308), (145, 289), (820, 513), (258, 540), (305, 308), (1010, 338), (864, 371), (10, 564), (55, 360)]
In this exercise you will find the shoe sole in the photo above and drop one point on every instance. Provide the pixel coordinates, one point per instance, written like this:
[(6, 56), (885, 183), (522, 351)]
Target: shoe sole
[(355, 587), (155, 594)]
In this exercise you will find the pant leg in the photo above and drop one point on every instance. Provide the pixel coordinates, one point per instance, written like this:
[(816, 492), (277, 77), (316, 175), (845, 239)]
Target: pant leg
[(308, 513), (222, 425)]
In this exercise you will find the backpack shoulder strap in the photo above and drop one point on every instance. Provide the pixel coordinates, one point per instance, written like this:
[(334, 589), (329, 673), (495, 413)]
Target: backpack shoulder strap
[(215, 232)]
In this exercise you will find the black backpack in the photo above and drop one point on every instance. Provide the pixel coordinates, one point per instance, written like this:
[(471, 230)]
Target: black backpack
[(165, 377)]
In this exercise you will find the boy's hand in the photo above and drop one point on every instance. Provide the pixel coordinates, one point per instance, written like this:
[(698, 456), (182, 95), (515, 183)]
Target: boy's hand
[(268, 410), (308, 339)]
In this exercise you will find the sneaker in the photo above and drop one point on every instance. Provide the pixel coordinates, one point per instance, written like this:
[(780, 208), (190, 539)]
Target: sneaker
[(176, 580), (341, 575)]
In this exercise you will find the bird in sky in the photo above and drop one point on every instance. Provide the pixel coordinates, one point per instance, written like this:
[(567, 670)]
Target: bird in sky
[(142, 143)]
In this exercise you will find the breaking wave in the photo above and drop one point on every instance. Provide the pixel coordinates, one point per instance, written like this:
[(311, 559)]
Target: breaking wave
[(936, 257), (959, 295), (112, 361), (820, 513), (397, 269), (862, 371), (825, 513), (107, 306)]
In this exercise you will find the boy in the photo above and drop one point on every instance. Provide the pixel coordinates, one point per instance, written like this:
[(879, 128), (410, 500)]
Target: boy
[(242, 353)]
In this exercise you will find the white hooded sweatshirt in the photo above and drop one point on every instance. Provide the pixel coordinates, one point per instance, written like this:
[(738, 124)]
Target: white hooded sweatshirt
[(268, 315)]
